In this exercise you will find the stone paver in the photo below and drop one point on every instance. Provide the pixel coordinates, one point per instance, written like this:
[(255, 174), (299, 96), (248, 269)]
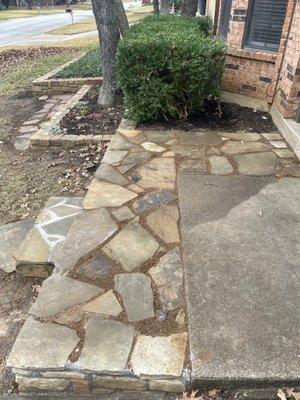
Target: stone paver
[(220, 165), (137, 295), (107, 304), (157, 173), (241, 277), (123, 214), (159, 355), (59, 293), (106, 346), (149, 146), (284, 153), (98, 266), (278, 144), (256, 164), (163, 222), (168, 276), (105, 194), (11, 236), (272, 136), (153, 199), (132, 246), (231, 148), (89, 230), (108, 173), (241, 136), (40, 346), (193, 166)]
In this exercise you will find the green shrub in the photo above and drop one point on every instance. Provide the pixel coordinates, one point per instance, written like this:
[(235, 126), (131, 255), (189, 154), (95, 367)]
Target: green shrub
[(87, 66), (168, 67)]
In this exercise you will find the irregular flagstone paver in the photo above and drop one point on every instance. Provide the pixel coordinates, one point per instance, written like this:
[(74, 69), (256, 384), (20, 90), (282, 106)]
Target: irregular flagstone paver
[(136, 158), (188, 151), (163, 222), (294, 170), (159, 355), (132, 246), (231, 148), (33, 384), (106, 346), (200, 138), (160, 137), (220, 165), (135, 188), (11, 236), (113, 157), (119, 142), (278, 144), (137, 295), (149, 146), (272, 136), (124, 168), (153, 200), (89, 230), (108, 173), (168, 276), (284, 153), (41, 345), (97, 267), (241, 136), (34, 249), (59, 293), (192, 166), (256, 164), (123, 214), (107, 304), (105, 194), (157, 173)]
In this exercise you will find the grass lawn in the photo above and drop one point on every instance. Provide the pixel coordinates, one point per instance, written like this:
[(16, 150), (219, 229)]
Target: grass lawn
[(89, 24), (22, 75)]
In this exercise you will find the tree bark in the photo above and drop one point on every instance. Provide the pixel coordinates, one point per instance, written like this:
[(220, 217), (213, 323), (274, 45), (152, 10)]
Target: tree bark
[(189, 7), (122, 17), (109, 35), (156, 6), (164, 7)]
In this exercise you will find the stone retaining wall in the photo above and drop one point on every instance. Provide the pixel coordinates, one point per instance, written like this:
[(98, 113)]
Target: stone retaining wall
[(48, 84), (50, 133)]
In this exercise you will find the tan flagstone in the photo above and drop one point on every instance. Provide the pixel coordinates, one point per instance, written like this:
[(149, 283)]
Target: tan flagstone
[(157, 173), (106, 194), (107, 304), (163, 222)]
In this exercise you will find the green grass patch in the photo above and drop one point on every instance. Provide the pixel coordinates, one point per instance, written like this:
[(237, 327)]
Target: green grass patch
[(22, 75), (87, 66)]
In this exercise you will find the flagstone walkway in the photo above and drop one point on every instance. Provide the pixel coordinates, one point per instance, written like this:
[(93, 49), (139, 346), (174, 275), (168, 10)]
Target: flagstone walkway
[(113, 313)]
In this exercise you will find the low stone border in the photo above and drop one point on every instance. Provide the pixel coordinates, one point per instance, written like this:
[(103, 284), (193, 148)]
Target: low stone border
[(48, 84), (50, 133)]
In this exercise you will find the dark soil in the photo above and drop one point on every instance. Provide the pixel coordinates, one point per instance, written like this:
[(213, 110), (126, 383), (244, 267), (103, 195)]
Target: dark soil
[(226, 117), (89, 118)]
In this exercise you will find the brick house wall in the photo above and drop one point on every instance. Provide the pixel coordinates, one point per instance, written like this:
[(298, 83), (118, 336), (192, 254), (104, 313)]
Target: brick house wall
[(268, 76)]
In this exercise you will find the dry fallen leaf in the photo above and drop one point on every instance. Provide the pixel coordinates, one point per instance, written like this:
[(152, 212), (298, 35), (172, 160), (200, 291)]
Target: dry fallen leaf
[(291, 393), (213, 392), (281, 394)]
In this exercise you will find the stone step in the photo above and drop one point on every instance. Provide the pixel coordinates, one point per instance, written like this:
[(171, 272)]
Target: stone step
[(34, 254)]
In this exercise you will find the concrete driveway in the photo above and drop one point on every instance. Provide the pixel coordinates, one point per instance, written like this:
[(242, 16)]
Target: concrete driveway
[(32, 30)]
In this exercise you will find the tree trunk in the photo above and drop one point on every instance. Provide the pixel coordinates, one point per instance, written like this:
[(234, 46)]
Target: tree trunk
[(189, 7), (164, 7), (122, 17), (109, 35), (156, 6)]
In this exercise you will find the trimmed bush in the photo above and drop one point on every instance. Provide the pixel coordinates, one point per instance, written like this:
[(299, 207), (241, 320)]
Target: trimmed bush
[(168, 66), (88, 66)]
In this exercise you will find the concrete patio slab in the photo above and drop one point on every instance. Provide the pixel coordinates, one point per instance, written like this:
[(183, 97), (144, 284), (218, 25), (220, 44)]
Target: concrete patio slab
[(239, 238)]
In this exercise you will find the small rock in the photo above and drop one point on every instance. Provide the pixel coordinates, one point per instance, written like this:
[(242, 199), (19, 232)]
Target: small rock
[(180, 318)]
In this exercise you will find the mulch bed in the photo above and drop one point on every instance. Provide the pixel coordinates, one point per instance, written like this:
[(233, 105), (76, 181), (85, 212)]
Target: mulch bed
[(226, 117), (15, 57), (90, 118)]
